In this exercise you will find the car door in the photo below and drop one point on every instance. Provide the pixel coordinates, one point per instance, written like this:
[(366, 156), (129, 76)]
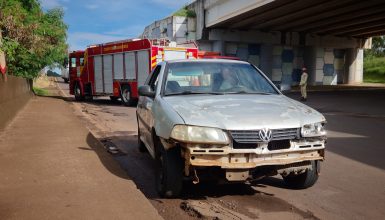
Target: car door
[(145, 117)]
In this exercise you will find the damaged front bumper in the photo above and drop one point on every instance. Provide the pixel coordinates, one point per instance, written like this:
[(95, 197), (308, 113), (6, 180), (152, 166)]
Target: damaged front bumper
[(238, 162)]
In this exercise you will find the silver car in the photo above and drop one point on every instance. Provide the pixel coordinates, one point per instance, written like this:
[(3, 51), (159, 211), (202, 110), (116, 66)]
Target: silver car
[(225, 118)]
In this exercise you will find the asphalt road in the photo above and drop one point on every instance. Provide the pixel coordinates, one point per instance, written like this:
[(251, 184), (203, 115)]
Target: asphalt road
[(351, 185)]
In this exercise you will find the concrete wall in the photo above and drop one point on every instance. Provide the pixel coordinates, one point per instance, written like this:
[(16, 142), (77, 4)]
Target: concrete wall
[(174, 28), (14, 94), (283, 64)]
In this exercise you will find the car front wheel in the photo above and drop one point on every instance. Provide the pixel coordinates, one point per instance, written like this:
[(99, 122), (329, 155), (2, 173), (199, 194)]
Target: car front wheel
[(169, 173), (305, 179)]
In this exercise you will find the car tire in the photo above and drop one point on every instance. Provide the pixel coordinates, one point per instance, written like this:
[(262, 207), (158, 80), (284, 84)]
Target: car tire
[(78, 93), (304, 180), (125, 95), (169, 178)]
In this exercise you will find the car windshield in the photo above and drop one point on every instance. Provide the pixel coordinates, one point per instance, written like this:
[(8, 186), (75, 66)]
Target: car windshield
[(184, 78)]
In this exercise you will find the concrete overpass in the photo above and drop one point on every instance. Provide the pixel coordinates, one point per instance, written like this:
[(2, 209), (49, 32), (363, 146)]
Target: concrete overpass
[(281, 36), (350, 18)]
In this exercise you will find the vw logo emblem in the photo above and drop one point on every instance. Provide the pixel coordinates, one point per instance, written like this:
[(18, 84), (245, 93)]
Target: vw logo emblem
[(265, 134)]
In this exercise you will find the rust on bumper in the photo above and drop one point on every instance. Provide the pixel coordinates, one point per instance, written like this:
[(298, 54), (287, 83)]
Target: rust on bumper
[(249, 160), (229, 158)]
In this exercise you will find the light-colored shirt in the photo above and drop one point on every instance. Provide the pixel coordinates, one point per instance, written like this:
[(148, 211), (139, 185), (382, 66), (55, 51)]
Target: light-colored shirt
[(303, 79)]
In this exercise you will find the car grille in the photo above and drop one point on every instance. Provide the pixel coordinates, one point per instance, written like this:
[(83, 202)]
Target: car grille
[(252, 136)]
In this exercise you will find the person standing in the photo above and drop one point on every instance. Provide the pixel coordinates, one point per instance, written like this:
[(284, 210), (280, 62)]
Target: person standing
[(303, 84)]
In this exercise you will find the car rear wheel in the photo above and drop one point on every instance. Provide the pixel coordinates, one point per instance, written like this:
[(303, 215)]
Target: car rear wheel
[(169, 173), (304, 180)]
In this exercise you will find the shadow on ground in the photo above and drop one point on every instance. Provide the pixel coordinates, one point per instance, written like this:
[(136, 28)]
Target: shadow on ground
[(141, 168), (105, 158)]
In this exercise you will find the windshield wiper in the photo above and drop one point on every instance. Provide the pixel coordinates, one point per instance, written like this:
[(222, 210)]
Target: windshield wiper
[(194, 93)]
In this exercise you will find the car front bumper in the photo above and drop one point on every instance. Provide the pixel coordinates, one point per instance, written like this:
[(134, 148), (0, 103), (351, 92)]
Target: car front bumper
[(228, 158)]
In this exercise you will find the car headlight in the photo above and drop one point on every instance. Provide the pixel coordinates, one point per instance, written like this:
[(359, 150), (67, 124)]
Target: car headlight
[(313, 130), (195, 134)]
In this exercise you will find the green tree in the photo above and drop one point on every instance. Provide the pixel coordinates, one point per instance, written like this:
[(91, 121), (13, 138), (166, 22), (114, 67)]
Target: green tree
[(378, 47), (32, 38)]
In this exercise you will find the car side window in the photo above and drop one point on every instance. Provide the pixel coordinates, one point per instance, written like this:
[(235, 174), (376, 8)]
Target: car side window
[(154, 78)]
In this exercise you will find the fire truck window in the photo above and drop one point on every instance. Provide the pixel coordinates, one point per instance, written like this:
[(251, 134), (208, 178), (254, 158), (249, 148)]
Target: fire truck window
[(81, 61), (73, 62)]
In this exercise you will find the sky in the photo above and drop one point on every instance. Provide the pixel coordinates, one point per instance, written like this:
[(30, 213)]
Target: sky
[(100, 21)]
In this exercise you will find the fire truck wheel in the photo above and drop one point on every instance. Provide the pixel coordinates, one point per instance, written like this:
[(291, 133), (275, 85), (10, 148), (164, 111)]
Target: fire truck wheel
[(89, 98), (125, 95), (78, 93), (113, 98)]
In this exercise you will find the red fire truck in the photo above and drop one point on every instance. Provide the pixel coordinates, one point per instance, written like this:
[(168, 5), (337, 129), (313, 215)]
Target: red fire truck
[(117, 69)]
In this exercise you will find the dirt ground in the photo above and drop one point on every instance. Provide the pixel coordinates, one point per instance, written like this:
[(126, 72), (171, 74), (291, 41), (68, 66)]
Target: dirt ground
[(52, 167)]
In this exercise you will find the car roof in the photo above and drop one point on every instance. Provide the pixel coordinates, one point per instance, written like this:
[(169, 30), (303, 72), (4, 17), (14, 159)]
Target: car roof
[(206, 61)]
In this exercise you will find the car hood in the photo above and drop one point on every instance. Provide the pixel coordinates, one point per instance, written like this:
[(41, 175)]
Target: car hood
[(243, 111)]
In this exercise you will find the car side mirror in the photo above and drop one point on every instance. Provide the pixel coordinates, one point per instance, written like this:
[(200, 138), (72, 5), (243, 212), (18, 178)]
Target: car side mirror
[(146, 91)]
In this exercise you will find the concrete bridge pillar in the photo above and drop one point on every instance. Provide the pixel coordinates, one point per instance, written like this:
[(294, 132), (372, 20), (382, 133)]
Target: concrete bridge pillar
[(354, 66)]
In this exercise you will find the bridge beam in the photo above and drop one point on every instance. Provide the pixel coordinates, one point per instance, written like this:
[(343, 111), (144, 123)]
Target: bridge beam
[(315, 21)]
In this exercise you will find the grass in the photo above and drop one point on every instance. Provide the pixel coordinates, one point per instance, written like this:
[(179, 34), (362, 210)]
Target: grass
[(374, 70), (185, 12), (40, 92)]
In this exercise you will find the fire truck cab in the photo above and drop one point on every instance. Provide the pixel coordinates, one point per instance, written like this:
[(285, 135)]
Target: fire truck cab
[(76, 64), (117, 69)]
